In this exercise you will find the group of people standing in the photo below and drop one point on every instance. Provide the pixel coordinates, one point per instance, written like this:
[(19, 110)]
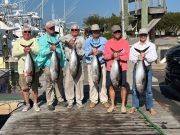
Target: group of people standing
[(95, 44)]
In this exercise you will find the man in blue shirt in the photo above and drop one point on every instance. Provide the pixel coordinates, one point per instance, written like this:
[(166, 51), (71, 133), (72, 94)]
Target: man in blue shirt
[(95, 91), (43, 61)]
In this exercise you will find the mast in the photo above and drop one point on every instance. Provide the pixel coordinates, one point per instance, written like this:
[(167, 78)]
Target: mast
[(64, 11), (52, 10)]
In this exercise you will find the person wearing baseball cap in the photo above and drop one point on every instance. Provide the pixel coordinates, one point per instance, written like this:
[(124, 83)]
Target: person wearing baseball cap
[(147, 53), (48, 43), (117, 49), (74, 41), (21, 47)]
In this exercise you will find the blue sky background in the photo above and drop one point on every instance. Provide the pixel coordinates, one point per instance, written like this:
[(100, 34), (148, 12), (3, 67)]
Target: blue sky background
[(77, 10)]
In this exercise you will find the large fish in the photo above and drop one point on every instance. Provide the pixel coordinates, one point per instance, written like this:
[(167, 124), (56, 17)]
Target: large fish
[(95, 68), (116, 71), (29, 69), (74, 63), (141, 73), (54, 64)]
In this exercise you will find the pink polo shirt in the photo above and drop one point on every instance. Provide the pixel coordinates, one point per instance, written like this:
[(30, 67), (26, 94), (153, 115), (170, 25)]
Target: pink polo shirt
[(117, 45)]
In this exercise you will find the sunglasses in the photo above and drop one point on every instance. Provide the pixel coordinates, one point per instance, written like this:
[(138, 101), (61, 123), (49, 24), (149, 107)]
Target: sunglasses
[(118, 31), (143, 35), (27, 31), (95, 31), (51, 28), (74, 29)]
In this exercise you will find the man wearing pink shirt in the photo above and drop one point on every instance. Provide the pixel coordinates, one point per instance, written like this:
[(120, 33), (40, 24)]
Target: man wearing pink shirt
[(117, 43)]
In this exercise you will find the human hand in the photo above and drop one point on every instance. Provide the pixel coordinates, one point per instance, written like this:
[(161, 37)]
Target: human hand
[(72, 43), (115, 55), (53, 48), (27, 49), (94, 51), (141, 56)]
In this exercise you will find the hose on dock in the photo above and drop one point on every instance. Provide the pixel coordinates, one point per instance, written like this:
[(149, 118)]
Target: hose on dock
[(157, 128)]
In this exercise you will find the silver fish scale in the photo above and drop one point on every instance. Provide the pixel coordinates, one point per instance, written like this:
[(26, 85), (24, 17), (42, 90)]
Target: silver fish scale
[(95, 70), (115, 73), (29, 68), (73, 64), (54, 66), (140, 76)]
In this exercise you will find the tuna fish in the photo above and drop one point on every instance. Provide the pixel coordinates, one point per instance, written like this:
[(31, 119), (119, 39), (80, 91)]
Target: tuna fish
[(29, 69), (74, 63), (116, 71), (95, 68), (141, 74), (54, 64)]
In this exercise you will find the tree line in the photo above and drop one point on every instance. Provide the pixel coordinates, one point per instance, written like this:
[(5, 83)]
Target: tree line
[(170, 22)]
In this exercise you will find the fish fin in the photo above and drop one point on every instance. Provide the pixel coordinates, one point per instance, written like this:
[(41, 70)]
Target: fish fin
[(113, 50), (145, 49), (23, 45), (118, 51), (57, 43), (95, 46), (139, 51), (142, 51), (30, 44), (26, 45), (50, 43)]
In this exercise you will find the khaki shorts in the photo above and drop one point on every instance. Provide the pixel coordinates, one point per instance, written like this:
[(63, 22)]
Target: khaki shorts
[(24, 86)]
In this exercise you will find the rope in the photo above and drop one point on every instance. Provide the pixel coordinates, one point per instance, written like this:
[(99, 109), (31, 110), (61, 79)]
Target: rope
[(10, 108)]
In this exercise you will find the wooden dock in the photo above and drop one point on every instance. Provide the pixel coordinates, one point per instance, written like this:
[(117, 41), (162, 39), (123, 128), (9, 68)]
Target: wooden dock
[(88, 121)]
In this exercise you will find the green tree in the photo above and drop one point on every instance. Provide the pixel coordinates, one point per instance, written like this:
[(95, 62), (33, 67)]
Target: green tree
[(170, 22)]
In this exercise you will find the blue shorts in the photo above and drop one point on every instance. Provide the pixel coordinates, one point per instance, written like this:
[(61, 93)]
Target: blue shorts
[(122, 81)]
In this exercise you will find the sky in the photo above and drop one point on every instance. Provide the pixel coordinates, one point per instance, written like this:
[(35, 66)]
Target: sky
[(77, 10)]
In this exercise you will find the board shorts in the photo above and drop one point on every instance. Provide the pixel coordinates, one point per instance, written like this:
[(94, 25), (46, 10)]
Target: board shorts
[(122, 82), (24, 86)]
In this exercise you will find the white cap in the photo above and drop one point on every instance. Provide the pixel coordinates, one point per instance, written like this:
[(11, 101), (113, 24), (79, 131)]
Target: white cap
[(95, 27), (143, 31), (26, 28), (75, 26), (50, 24)]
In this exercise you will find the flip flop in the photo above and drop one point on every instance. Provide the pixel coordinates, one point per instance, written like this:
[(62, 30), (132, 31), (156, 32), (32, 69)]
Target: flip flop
[(110, 109), (123, 110), (132, 110)]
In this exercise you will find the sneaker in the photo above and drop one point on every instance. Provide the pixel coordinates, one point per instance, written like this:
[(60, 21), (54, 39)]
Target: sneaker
[(80, 106), (26, 108), (132, 110), (70, 106), (51, 108), (106, 105), (63, 103), (36, 108), (92, 105)]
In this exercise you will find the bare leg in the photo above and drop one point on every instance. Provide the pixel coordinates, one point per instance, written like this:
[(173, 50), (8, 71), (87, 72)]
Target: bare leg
[(26, 96), (123, 98), (112, 97), (35, 96)]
